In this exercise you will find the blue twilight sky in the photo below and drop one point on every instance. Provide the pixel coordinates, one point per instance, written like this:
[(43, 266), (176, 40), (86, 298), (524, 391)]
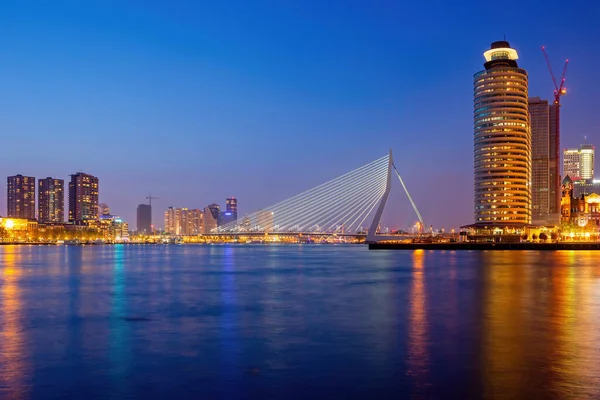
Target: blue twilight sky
[(194, 101)]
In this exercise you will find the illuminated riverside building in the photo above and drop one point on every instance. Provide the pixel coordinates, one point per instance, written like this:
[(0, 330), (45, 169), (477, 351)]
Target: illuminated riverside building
[(502, 140), (183, 221), (113, 228), (582, 211), (20, 197), (585, 187), (51, 201), (579, 163), (83, 198)]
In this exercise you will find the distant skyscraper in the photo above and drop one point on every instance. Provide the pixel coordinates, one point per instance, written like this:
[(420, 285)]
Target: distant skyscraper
[(502, 140), (571, 164), (586, 165), (21, 197), (230, 213), (231, 206), (211, 218), (51, 200), (540, 153), (545, 184), (170, 219), (83, 198), (144, 218), (579, 163)]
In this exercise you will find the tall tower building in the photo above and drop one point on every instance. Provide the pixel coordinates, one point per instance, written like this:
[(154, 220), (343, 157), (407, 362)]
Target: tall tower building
[(545, 187), (231, 206), (144, 218), (586, 163), (51, 200), (83, 198), (579, 163), (230, 213), (20, 197), (571, 164), (502, 140)]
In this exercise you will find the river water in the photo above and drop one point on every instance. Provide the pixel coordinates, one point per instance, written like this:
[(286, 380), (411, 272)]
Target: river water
[(297, 321)]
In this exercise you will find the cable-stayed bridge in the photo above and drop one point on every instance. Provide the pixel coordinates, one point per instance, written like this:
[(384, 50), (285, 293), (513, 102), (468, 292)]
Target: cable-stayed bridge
[(342, 206)]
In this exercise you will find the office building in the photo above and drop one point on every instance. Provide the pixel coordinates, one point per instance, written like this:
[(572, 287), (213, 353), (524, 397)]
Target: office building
[(20, 197), (579, 163), (502, 148), (144, 218), (230, 213), (539, 119), (231, 206), (571, 164), (586, 163), (211, 218), (83, 198), (51, 201)]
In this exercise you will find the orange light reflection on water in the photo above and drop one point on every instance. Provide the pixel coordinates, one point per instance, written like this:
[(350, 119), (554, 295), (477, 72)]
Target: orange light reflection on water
[(418, 359), (13, 358), (541, 325)]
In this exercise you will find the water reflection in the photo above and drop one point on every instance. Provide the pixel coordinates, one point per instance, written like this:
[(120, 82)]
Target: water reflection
[(119, 342), (540, 326), (418, 360), (14, 366), (228, 337)]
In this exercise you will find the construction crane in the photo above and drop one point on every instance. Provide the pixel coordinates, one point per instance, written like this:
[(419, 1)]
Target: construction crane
[(559, 90), (150, 198)]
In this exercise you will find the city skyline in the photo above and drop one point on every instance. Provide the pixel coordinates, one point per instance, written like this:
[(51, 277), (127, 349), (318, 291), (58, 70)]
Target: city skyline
[(328, 87)]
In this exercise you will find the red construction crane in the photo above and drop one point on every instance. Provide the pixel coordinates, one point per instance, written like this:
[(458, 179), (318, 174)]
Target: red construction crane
[(559, 90)]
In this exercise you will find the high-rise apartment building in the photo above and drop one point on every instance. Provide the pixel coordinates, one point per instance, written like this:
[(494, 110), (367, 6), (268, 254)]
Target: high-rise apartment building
[(83, 198), (579, 163), (20, 197), (144, 218), (51, 200), (183, 221), (502, 138)]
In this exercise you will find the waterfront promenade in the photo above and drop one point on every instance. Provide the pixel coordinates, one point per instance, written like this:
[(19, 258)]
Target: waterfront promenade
[(487, 246)]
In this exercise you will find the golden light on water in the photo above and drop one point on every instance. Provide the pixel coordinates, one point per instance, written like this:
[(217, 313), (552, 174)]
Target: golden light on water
[(12, 341)]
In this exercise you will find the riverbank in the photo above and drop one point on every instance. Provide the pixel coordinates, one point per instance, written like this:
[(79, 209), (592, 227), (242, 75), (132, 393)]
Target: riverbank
[(486, 246)]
